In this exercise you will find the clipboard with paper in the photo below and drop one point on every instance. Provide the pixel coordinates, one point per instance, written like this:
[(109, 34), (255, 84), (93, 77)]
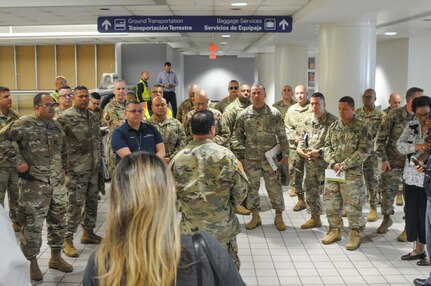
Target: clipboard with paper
[(274, 155), (332, 176)]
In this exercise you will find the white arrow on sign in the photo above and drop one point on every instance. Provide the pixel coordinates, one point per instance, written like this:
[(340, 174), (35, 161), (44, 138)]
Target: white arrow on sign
[(106, 24), (283, 24)]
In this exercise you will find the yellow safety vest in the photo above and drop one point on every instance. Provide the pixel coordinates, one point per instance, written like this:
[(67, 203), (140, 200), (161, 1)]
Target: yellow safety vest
[(146, 94), (147, 113)]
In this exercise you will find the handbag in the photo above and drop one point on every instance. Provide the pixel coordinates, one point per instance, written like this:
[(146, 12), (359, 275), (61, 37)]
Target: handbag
[(198, 244)]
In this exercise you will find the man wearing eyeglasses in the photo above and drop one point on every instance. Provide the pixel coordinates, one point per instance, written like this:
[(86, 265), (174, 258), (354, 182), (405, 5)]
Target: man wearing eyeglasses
[(64, 98), (233, 89), (41, 162), (135, 135), (83, 144)]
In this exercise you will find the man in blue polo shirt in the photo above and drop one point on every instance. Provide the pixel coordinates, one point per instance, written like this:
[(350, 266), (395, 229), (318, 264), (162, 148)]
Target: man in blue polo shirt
[(135, 135)]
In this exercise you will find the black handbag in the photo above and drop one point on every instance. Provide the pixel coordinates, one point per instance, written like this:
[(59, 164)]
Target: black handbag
[(198, 244)]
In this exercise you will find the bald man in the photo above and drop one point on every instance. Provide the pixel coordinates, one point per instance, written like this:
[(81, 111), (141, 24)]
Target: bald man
[(187, 105), (394, 102)]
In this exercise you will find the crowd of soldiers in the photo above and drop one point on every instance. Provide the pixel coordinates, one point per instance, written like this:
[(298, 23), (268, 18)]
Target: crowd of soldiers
[(57, 152)]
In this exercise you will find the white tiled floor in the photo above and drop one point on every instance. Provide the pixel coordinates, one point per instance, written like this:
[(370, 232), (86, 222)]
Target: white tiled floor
[(292, 257)]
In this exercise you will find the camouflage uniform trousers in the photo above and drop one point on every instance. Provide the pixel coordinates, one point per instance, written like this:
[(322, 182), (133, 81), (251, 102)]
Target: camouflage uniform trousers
[(40, 200), (370, 176), (351, 194), (314, 178), (110, 156), (9, 183), (389, 185), (232, 248), (82, 189), (296, 171), (256, 169)]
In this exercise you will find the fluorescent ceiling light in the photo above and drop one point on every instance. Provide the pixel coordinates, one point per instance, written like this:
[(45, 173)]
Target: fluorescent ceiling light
[(223, 43), (390, 33), (60, 34), (225, 36), (238, 4)]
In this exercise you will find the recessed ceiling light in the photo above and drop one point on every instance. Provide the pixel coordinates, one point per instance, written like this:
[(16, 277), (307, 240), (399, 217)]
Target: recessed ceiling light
[(104, 9), (223, 43), (238, 4), (225, 36), (390, 33)]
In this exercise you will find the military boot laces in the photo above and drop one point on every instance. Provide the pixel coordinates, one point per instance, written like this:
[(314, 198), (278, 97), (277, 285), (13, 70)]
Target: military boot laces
[(69, 249), (300, 205), (255, 220), (89, 237), (332, 236), (354, 240), (278, 221), (35, 273), (372, 215), (314, 221), (386, 223), (57, 262)]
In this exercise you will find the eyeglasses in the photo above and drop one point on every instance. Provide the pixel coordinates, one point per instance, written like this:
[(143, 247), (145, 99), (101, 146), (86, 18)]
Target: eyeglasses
[(233, 87), (135, 110), (50, 104), (95, 102), (66, 95)]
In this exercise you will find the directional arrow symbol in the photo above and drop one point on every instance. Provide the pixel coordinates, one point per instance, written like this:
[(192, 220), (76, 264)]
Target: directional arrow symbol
[(106, 24), (283, 24)]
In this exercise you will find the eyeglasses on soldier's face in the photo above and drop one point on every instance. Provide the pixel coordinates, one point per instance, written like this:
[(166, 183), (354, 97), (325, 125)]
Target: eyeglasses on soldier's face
[(233, 87)]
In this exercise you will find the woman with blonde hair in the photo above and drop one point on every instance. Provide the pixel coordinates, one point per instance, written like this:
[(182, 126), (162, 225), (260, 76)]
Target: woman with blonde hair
[(143, 245)]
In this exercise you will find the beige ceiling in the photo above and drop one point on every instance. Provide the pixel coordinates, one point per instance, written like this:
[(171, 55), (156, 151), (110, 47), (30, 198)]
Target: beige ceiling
[(65, 22)]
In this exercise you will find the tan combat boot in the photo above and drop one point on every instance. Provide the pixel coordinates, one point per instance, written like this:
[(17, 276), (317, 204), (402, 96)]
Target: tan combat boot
[(278, 221), (399, 199), (402, 237), (89, 237), (35, 273), (314, 221), (57, 262), (292, 192), (372, 215), (354, 240), (241, 210), (255, 220), (69, 249), (300, 205), (332, 235), (386, 223)]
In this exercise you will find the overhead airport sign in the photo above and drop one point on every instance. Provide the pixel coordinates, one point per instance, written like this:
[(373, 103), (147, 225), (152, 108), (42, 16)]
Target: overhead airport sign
[(195, 24)]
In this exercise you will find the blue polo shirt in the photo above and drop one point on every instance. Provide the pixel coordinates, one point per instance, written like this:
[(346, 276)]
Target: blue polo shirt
[(144, 139)]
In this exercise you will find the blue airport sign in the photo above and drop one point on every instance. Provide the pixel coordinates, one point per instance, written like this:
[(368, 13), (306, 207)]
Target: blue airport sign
[(195, 24)]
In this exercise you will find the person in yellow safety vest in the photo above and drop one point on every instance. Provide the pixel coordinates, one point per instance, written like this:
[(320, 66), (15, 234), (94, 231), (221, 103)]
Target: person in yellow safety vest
[(156, 91), (143, 92), (59, 82)]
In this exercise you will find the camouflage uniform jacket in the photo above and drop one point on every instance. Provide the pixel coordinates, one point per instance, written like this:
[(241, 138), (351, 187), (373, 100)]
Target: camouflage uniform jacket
[(259, 130), (221, 130), (172, 133), (210, 181), (282, 107), (83, 142), (347, 144), (113, 114), (293, 119), (7, 119), (229, 117), (58, 112), (389, 132), (221, 105), (316, 128), (386, 111), (371, 119), (185, 107), (41, 144)]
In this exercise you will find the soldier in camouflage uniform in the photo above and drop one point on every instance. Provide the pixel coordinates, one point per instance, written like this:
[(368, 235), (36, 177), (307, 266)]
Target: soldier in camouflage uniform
[(393, 162), (372, 117), (8, 173), (59, 82), (231, 114), (210, 182), (187, 105), (259, 128), (83, 144), (171, 129), (233, 94), (201, 102), (41, 160), (310, 147), (294, 117), (282, 106), (347, 146), (94, 106), (64, 97), (113, 115)]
